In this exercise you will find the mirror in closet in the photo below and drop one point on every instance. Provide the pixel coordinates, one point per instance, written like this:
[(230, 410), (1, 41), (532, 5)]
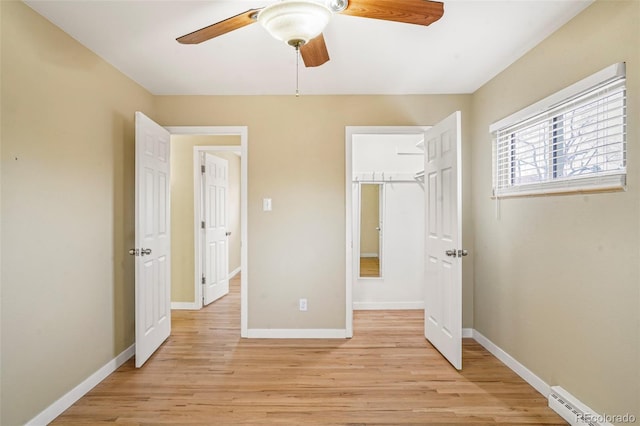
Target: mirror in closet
[(371, 202)]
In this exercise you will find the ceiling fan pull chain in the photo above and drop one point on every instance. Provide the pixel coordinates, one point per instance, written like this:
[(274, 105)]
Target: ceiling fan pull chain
[(297, 70)]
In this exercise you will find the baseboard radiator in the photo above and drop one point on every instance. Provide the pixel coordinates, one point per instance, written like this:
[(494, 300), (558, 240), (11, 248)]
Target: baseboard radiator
[(572, 410)]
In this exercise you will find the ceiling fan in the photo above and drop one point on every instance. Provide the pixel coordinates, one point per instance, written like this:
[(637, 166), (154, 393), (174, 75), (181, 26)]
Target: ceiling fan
[(300, 23)]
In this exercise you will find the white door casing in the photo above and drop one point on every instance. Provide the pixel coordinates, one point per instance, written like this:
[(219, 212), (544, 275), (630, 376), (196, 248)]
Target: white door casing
[(216, 239), (152, 237), (242, 150), (443, 272), (382, 258), (352, 202)]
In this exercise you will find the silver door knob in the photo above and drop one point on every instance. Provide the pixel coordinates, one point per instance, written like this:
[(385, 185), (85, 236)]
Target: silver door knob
[(134, 252), (377, 228), (144, 252), (452, 253), (462, 253)]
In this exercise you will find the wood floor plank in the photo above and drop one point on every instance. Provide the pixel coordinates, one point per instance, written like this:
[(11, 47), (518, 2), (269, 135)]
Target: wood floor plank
[(386, 374), (369, 267)]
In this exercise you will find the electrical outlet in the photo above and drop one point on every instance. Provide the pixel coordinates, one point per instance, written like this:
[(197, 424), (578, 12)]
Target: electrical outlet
[(303, 305)]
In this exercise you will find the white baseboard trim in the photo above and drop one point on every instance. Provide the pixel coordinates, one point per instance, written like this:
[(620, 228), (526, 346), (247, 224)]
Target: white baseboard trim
[(522, 371), (369, 254), (589, 416), (192, 306), (68, 399), (296, 333), (235, 272), (373, 306)]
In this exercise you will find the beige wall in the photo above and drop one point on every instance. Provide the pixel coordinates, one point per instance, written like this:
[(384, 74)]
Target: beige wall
[(297, 157), (67, 212), (369, 219), (557, 278), (182, 214)]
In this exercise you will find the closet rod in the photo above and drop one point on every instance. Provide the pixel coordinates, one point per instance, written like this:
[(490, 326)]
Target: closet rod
[(383, 177)]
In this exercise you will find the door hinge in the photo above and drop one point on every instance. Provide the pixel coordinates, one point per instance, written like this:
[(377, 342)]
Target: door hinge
[(204, 281), (202, 169), (202, 224)]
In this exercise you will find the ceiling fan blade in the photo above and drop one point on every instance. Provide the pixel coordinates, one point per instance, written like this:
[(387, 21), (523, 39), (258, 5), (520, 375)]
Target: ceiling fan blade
[(314, 52), (419, 12), (219, 28)]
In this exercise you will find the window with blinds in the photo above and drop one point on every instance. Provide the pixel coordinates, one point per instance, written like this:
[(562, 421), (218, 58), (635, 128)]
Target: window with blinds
[(577, 143)]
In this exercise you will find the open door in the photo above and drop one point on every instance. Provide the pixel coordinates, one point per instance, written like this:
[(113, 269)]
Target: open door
[(152, 238), (443, 263), (215, 279)]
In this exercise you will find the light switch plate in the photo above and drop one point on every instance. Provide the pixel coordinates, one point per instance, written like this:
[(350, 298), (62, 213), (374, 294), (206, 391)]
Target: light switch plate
[(266, 204)]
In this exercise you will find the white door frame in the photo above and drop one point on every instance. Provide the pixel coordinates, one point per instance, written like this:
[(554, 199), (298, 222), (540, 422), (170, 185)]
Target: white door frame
[(197, 210), (243, 132), (350, 131)]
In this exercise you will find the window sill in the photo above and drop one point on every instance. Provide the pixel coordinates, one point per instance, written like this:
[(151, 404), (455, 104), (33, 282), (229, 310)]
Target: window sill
[(612, 183)]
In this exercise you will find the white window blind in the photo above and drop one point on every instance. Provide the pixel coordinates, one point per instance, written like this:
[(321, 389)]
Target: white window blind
[(575, 144)]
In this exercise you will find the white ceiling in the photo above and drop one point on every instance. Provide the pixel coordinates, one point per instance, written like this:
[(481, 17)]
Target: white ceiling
[(473, 42)]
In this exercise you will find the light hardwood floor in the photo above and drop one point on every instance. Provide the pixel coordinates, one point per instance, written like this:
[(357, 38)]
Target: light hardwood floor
[(386, 374), (369, 267)]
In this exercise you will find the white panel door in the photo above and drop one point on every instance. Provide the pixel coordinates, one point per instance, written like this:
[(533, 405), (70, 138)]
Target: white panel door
[(216, 237), (443, 263), (152, 237)]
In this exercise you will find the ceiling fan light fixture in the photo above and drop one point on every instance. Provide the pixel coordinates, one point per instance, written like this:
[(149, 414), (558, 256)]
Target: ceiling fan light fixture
[(295, 22)]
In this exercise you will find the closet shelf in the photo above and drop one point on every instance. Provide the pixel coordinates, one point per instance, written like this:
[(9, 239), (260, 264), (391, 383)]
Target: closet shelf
[(371, 177)]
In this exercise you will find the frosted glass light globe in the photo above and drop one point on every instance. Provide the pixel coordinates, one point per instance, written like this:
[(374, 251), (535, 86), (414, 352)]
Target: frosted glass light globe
[(295, 22)]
